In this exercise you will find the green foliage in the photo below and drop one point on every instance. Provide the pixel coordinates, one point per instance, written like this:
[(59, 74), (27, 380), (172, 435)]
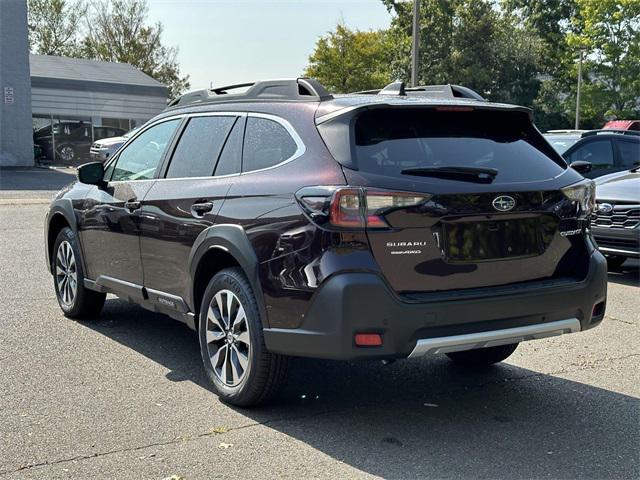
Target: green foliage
[(119, 33), (111, 30), (516, 51), (54, 26), (349, 61)]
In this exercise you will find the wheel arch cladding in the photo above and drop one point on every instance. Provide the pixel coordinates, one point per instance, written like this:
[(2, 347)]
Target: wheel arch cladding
[(60, 215), (216, 248)]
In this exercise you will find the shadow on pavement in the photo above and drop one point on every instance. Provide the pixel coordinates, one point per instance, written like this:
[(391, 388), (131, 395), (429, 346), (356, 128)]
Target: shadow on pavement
[(421, 418), (628, 274), (35, 179)]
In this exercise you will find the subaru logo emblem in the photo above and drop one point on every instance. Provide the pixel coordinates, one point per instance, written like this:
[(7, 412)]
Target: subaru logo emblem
[(504, 203), (605, 208)]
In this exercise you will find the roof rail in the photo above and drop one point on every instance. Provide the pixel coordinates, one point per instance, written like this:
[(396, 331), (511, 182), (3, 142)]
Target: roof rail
[(609, 130), (307, 89), (430, 91)]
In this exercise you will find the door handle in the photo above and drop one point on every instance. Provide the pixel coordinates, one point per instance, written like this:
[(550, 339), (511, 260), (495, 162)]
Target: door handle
[(132, 205), (201, 208)]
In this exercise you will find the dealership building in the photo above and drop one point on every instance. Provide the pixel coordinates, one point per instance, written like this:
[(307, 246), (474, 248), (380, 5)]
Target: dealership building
[(64, 104)]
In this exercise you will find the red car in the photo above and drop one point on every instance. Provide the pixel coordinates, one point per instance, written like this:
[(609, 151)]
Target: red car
[(623, 125)]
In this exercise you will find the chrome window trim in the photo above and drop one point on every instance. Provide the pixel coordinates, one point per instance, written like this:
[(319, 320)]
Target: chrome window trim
[(300, 150)]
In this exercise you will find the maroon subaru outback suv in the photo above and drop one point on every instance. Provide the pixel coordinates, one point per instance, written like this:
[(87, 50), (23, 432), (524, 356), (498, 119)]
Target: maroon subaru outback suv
[(283, 221)]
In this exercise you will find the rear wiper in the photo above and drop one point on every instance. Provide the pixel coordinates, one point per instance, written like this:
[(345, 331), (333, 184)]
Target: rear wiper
[(465, 174)]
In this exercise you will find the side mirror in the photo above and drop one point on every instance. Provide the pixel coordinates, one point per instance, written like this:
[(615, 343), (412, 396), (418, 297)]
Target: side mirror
[(581, 166), (91, 173)]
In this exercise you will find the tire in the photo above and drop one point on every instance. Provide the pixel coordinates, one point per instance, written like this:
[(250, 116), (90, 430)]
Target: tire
[(74, 299), (66, 153), (482, 357), (614, 262), (249, 375)]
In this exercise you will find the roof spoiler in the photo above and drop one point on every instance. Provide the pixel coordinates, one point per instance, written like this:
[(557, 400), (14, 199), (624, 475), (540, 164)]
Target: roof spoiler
[(448, 91)]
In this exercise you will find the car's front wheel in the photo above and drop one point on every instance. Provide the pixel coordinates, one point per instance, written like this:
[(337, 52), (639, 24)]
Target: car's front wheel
[(236, 361), (74, 299), (482, 357)]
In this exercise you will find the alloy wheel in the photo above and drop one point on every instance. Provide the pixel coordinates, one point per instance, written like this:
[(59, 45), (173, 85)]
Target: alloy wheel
[(66, 274), (66, 153), (227, 337)]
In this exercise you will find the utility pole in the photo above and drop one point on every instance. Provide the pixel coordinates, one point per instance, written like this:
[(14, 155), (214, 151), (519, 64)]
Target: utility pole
[(577, 125), (415, 43)]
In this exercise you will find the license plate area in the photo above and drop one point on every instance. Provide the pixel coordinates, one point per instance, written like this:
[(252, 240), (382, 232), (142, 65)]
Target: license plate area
[(492, 240)]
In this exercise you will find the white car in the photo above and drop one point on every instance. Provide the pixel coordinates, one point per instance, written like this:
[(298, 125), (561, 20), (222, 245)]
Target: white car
[(102, 150)]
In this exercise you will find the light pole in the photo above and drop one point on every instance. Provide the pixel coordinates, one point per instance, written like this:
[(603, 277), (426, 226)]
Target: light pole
[(577, 125), (415, 47)]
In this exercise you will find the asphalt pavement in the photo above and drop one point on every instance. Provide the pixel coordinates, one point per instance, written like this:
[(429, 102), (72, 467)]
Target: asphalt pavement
[(125, 396)]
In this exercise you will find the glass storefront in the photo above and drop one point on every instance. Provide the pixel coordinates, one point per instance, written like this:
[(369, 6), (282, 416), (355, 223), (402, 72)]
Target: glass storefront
[(66, 140)]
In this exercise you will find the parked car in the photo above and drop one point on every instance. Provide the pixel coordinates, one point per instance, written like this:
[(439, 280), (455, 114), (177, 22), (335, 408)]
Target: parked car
[(616, 221), (607, 151), (284, 221), (101, 150), (72, 139), (561, 140), (623, 125)]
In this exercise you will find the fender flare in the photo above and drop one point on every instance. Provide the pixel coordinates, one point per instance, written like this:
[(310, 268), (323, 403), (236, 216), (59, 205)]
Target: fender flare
[(63, 207), (233, 240)]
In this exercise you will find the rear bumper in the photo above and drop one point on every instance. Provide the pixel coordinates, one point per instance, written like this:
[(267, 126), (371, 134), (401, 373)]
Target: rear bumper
[(624, 242), (352, 303)]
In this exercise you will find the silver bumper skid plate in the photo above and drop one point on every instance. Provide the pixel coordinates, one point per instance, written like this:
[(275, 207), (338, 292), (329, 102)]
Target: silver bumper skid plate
[(470, 341)]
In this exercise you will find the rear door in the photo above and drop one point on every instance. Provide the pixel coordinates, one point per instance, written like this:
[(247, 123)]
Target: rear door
[(183, 203), (498, 226)]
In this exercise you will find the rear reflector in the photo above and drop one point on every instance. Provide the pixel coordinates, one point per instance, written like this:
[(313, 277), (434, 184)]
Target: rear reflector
[(368, 339)]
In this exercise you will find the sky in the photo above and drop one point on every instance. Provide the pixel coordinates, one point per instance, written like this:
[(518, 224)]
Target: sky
[(236, 41)]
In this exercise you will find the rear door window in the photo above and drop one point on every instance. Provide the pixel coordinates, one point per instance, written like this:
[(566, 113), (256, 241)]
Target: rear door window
[(230, 162), (629, 153), (598, 152), (388, 141), (199, 147), (266, 143)]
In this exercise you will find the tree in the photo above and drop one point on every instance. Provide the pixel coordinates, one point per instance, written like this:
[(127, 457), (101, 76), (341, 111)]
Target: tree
[(346, 61), (117, 32), (472, 43), (54, 26), (609, 31)]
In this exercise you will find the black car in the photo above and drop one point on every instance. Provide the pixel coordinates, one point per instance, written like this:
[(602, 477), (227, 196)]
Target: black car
[(69, 141), (285, 221), (607, 151), (616, 221)]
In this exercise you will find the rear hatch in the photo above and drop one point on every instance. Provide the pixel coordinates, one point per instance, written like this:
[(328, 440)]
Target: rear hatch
[(463, 198)]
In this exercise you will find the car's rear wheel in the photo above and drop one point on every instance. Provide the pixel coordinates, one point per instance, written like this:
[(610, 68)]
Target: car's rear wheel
[(614, 262), (482, 357), (236, 361), (74, 299)]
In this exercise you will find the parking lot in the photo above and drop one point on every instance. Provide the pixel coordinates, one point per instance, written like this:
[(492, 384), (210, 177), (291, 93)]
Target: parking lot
[(125, 396)]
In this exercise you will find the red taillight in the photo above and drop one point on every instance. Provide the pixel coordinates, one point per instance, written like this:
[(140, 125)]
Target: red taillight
[(360, 208), (368, 339), (345, 210)]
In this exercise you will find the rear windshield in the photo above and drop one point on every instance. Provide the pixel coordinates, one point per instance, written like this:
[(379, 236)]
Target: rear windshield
[(561, 143), (391, 140)]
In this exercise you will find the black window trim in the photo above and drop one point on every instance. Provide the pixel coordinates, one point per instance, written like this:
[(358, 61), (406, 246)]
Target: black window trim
[(162, 174)]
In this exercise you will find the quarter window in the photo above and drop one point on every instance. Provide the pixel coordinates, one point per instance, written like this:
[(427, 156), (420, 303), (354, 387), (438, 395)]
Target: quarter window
[(199, 147), (140, 159), (266, 143)]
